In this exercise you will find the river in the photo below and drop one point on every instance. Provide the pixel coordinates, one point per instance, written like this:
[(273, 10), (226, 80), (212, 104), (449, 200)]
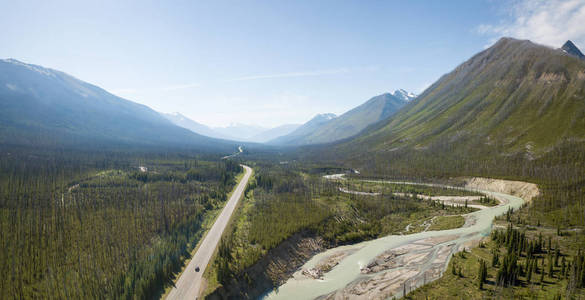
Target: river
[(435, 247)]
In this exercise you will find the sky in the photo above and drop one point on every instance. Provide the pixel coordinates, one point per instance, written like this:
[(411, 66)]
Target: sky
[(269, 63)]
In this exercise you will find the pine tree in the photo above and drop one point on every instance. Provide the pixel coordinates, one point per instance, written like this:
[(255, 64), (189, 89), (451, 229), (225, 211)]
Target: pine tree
[(542, 273), (563, 267), (482, 274), (495, 258), (550, 266), (528, 271)]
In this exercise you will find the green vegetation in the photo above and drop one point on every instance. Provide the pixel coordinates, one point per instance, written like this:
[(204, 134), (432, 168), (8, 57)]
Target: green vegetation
[(389, 188), (447, 222), (516, 94), (514, 111), (94, 225), (91, 224), (486, 201), (519, 262), (436, 139)]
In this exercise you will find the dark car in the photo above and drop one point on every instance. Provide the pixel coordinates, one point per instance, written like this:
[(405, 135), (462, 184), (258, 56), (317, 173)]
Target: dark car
[(196, 269)]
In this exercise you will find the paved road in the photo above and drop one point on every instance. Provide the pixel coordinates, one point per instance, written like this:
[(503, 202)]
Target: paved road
[(188, 285)]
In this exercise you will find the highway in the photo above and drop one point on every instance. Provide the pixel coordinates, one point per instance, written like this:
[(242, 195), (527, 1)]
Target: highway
[(189, 284)]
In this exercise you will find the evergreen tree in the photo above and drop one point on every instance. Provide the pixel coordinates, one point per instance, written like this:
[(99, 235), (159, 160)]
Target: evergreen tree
[(482, 274)]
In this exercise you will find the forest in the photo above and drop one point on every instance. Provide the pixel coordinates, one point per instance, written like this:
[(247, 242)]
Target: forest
[(280, 191), (109, 224), (559, 173), (119, 224), (518, 261)]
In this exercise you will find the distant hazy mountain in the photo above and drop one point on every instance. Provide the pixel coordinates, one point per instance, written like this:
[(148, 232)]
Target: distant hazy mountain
[(240, 132), (273, 133), (44, 106), (350, 123), (298, 135), (237, 132), (514, 97), (182, 121)]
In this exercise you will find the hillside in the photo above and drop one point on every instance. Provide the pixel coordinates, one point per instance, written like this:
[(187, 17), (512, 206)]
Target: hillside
[(516, 96), (42, 106), (352, 122)]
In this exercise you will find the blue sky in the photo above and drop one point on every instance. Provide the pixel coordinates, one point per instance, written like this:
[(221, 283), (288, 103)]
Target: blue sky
[(269, 62)]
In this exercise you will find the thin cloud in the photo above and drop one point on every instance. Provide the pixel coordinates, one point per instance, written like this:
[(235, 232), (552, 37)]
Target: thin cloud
[(157, 89), (293, 74), (179, 87), (550, 22), (244, 78)]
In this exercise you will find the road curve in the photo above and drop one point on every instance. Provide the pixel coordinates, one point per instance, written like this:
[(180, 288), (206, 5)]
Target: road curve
[(189, 283)]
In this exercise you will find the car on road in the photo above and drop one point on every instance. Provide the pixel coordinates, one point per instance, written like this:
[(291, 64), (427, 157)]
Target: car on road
[(196, 269)]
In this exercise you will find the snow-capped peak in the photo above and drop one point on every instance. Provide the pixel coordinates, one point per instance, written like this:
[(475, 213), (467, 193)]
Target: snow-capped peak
[(327, 116), (39, 69), (404, 95)]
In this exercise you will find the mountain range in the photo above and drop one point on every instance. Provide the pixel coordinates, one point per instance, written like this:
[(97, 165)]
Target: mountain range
[(236, 132), (45, 106), (182, 121), (42, 106), (516, 97), (327, 128)]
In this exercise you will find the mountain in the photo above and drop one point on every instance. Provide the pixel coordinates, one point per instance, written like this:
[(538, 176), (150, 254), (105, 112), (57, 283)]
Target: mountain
[(240, 132), (273, 133), (182, 121), (570, 48), (304, 130), (404, 95), (42, 106), (352, 122), (514, 97)]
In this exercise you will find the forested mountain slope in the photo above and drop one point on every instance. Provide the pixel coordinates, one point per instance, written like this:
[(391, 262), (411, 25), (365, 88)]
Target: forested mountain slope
[(41, 106), (515, 110), (519, 95)]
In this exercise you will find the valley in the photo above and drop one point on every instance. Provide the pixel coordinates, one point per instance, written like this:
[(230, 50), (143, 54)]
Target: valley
[(298, 150)]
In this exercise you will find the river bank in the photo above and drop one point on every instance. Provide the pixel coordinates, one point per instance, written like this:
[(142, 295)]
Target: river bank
[(359, 275)]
